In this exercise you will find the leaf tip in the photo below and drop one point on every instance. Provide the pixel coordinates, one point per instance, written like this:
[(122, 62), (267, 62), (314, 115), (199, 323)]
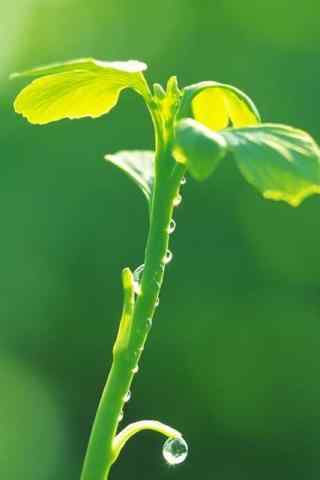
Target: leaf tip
[(20, 110)]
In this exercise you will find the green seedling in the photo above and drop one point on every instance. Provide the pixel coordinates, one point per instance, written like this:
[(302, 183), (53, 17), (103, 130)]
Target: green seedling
[(195, 129)]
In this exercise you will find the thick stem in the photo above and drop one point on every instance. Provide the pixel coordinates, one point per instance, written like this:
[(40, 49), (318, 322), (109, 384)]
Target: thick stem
[(100, 453)]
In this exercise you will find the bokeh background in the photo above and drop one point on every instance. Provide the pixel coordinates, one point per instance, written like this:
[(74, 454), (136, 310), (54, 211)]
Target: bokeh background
[(233, 360)]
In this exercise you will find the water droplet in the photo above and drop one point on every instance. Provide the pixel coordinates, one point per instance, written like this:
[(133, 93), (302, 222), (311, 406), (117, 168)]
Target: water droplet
[(175, 450), (135, 369), (120, 416), (183, 181), (137, 276), (149, 323), (172, 226), (127, 396), (157, 302), (168, 257), (177, 200)]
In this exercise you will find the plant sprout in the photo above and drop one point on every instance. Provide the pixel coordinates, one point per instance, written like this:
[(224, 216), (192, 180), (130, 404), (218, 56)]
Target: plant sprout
[(195, 128)]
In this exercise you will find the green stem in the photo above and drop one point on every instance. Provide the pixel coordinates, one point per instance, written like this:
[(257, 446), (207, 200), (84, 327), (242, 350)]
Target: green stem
[(100, 453), (121, 439)]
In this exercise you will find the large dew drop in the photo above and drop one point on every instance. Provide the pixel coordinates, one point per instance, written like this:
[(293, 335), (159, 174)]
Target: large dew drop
[(175, 451), (137, 276)]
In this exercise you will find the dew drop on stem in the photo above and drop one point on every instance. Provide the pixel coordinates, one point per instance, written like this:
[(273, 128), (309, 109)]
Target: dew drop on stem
[(172, 226), (175, 450), (168, 257), (135, 369), (157, 302), (177, 200), (127, 396), (120, 416), (137, 277), (183, 181)]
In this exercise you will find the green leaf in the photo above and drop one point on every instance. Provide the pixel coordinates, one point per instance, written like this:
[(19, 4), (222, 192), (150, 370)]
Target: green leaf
[(138, 165), (198, 148), (217, 105), (283, 163), (77, 89)]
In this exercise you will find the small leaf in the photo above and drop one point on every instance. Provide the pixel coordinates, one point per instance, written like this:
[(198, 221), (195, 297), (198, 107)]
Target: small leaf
[(283, 163), (138, 165), (198, 148), (77, 89), (217, 105)]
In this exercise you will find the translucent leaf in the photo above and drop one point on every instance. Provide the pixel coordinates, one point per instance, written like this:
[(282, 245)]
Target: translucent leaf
[(138, 165), (198, 147), (283, 163), (76, 89), (218, 106)]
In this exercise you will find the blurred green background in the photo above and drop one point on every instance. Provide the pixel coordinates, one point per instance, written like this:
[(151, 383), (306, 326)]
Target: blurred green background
[(233, 359)]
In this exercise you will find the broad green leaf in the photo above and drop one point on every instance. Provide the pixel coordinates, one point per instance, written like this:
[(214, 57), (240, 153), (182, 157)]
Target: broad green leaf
[(283, 163), (218, 106), (138, 165), (198, 148), (77, 89)]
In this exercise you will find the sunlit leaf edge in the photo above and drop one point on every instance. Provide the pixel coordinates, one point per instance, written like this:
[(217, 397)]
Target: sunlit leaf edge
[(89, 63)]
